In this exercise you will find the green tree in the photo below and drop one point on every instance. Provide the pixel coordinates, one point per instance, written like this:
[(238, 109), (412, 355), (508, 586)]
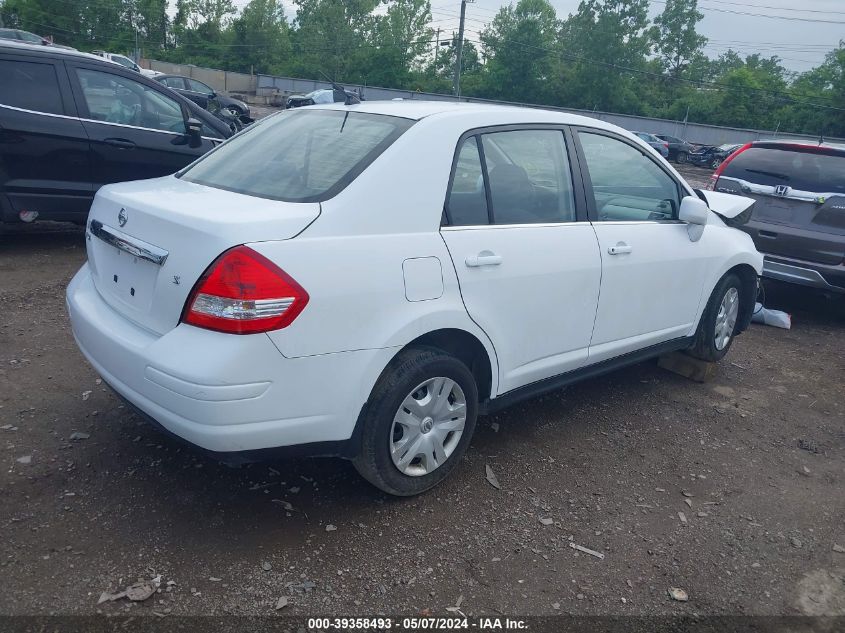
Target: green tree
[(674, 34), (398, 43), (519, 47), (260, 39), (606, 42), (330, 36)]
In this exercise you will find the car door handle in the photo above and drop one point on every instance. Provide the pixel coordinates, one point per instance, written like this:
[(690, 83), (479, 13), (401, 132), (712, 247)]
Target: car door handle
[(621, 248), (484, 258), (120, 143)]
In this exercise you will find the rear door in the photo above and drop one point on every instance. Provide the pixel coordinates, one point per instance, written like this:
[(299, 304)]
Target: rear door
[(136, 130), (800, 194), (526, 258), (44, 150)]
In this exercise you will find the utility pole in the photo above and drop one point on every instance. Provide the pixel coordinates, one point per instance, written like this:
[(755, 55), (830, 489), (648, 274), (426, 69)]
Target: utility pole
[(436, 47), (460, 49)]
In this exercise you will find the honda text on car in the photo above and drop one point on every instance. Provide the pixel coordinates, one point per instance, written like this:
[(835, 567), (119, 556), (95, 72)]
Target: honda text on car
[(366, 280)]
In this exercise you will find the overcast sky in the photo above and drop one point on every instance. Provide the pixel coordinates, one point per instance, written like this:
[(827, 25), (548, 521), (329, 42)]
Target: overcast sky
[(800, 37)]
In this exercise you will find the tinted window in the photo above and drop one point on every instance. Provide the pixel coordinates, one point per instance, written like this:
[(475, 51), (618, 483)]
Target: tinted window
[(299, 155), (30, 86), (467, 205), (32, 38), (627, 184), (802, 170), (116, 99), (124, 61), (173, 82), (198, 86), (529, 177)]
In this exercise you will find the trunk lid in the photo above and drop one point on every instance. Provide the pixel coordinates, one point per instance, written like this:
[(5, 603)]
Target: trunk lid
[(149, 241)]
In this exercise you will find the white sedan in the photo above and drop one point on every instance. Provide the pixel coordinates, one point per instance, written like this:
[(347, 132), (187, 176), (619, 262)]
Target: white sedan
[(366, 280)]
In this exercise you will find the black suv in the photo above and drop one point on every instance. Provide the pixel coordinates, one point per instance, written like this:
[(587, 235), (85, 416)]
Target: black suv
[(798, 222), (71, 122)]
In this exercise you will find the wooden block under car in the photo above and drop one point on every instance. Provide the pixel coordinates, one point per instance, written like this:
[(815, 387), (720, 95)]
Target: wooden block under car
[(688, 367)]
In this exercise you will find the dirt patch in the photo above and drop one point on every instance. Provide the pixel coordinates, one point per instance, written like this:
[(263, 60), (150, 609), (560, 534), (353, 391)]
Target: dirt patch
[(92, 499)]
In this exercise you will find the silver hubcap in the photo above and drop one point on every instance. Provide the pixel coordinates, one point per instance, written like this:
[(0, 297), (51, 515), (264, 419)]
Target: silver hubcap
[(428, 426), (726, 319)]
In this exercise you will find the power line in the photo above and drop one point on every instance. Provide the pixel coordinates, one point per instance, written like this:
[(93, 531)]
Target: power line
[(763, 15)]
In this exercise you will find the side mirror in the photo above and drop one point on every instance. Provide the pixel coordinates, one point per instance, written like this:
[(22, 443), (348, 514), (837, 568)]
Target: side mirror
[(695, 213), (193, 127)]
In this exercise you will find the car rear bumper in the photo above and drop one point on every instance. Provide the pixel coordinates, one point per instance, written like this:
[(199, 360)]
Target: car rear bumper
[(222, 392), (823, 277)]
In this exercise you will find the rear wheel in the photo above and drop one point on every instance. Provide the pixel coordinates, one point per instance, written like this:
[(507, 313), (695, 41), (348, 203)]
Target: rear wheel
[(717, 327), (715, 163), (683, 158), (418, 422)]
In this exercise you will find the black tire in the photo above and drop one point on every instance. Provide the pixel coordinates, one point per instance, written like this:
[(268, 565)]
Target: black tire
[(409, 369), (716, 163), (683, 158), (705, 346)]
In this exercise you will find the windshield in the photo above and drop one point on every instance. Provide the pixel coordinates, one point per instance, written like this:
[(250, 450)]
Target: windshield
[(298, 156)]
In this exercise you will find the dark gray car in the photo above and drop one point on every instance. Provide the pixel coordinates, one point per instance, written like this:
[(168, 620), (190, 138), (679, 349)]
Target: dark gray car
[(798, 222)]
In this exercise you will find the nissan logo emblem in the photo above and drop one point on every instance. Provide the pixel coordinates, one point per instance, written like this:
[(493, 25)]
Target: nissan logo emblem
[(122, 217)]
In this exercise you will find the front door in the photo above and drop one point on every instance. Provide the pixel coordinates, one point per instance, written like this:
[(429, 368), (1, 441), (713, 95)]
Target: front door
[(529, 270), (136, 131), (653, 275)]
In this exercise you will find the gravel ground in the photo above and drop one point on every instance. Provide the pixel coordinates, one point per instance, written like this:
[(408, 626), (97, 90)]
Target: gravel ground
[(730, 490)]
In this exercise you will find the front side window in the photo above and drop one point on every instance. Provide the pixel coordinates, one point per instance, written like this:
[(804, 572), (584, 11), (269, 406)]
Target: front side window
[(299, 155), (115, 99), (529, 177), (198, 86), (626, 184), (32, 38), (124, 61), (30, 86)]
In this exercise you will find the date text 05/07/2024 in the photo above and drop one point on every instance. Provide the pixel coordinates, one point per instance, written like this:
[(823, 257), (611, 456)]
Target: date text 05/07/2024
[(416, 624)]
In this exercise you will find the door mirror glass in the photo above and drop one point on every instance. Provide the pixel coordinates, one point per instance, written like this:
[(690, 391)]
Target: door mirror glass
[(695, 213)]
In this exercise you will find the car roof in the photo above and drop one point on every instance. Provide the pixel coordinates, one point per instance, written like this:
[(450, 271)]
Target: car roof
[(49, 51), (792, 144), (417, 109)]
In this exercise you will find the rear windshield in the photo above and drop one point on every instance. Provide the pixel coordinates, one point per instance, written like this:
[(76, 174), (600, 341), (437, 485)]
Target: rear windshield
[(802, 170), (302, 155)]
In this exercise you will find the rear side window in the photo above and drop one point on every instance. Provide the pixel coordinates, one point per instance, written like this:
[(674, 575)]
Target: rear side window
[(300, 155), (467, 205), (803, 170), (31, 86), (530, 181)]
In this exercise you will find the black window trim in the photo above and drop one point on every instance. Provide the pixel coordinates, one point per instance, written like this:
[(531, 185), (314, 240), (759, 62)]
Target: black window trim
[(581, 209), (588, 183)]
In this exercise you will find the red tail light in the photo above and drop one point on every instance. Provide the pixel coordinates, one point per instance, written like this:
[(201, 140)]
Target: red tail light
[(715, 177), (243, 292)]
